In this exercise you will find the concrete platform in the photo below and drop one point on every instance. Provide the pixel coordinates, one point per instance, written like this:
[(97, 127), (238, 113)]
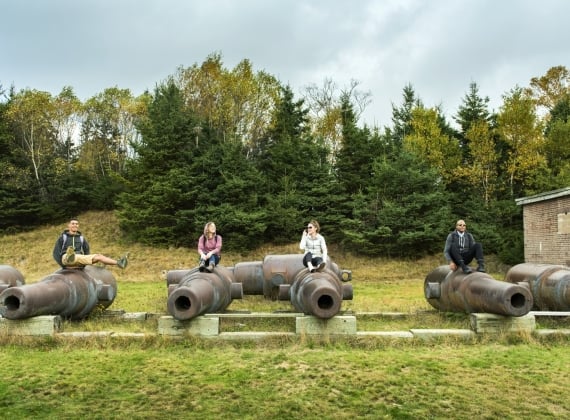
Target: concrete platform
[(37, 325)]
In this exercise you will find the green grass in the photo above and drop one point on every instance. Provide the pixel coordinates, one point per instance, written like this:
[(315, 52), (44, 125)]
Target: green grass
[(285, 379), (302, 377)]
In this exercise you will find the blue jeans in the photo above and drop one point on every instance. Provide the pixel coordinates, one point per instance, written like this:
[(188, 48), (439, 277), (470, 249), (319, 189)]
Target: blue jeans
[(214, 259), (308, 258)]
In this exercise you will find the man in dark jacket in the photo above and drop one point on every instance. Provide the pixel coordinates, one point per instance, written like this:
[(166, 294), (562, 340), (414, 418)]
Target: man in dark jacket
[(461, 248), (71, 250)]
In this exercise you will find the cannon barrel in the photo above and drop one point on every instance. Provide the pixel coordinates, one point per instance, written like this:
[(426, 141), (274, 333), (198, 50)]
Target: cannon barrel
[(198, 293), (273, 278), (70, 293), (549, 284), (319, 294), (454, 291), (10, 277)]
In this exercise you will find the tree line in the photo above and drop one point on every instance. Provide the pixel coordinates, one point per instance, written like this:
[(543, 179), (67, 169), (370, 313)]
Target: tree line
[(237, 147)]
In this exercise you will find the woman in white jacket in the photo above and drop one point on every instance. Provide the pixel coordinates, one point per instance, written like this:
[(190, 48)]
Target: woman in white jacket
[(315, 247)]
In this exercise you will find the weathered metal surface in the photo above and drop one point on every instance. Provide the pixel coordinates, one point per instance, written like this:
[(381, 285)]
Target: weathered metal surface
[(318, 294), (70, 293), (10, 277), (549, 284), (454, 291), (200, 292)]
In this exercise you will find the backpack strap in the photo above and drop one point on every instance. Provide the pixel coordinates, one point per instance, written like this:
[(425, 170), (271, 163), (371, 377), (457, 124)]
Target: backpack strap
[(64, 236)]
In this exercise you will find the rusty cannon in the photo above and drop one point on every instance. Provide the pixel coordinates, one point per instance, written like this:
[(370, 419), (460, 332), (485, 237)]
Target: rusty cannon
[(10, 277), (70, 293), (192, 293), (549, 284), (454, 291), (318, 293), (280, 277), (284, 277)]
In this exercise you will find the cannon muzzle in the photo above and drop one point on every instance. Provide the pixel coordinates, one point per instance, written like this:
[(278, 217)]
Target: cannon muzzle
[(549, 284), (10, 277), (70, 293), (198, 293), (319, 294), (454, 291)]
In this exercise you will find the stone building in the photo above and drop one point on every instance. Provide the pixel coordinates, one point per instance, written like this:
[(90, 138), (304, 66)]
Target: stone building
[(546, 222)]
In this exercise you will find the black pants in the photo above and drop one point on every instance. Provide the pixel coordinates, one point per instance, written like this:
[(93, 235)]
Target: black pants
[(308, 258), (476, 251)]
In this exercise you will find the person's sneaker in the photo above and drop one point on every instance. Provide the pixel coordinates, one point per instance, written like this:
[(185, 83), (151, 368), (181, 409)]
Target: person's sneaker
[(123, 261), (466, 269), (211, 268), (310, 268), (321, 266), (70, 255), (202, 266), (481, 268)]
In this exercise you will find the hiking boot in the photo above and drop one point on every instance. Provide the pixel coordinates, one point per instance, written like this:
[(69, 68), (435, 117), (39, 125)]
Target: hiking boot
[(466, 269), (202, 266), (321, 266), (123, 261), (70, 253), (481, 268)]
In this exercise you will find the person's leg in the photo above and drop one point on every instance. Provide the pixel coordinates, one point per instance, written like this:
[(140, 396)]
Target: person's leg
[(319, 264), (122, 262), (211, 263), (458, 259), (307, 258), (103, 259), (202, 264), (478, 250), (308, 261)]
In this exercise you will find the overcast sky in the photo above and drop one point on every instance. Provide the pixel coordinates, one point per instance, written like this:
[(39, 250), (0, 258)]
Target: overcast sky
[(438, 46)]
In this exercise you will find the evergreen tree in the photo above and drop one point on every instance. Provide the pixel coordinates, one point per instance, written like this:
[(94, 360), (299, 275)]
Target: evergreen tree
[(402, 117), (296, 171), (405, 212), (354, 161), (161, 185)]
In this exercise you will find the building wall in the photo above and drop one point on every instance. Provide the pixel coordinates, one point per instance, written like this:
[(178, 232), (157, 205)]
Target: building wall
[(547, 231)]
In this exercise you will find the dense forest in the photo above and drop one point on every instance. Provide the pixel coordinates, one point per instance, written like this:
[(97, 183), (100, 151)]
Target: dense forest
[(237, 147)]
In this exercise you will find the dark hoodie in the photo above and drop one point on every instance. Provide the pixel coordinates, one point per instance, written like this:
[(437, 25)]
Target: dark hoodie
[(77, 241)]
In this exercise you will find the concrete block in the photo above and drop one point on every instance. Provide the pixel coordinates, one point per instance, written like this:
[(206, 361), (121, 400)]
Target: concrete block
[(545, 332), (385, 334), (253, 335), (491, 323), (427, 334), (206, 326), (37, 325), (337, 325)]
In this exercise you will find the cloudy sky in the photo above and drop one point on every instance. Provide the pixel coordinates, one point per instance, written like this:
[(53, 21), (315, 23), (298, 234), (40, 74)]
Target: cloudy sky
[(437, 46)]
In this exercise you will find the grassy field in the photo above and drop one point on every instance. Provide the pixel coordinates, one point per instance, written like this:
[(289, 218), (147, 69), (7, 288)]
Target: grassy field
[(507, 376)]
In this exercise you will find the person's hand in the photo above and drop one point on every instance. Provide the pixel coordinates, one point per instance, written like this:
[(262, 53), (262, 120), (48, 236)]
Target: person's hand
[(452, 266)]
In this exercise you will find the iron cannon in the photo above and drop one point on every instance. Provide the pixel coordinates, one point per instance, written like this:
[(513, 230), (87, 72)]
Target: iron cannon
[(70, 293), (10, 277), (549, 284), (197, 293), (454, 291), (319, 293), (280, 277)]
